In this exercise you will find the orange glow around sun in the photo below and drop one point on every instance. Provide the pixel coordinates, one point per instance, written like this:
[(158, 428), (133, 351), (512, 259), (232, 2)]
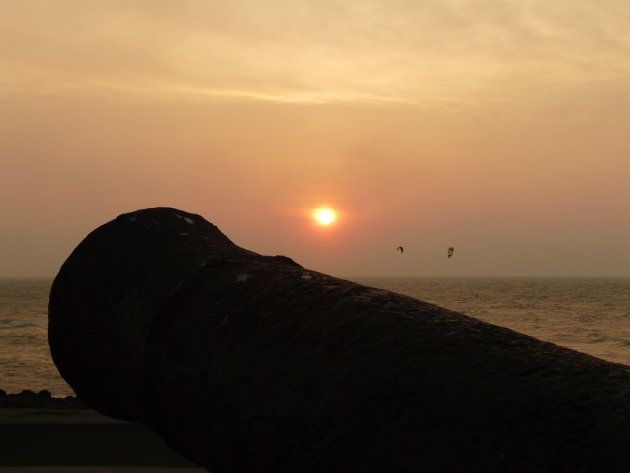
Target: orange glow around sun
[(324, 216)]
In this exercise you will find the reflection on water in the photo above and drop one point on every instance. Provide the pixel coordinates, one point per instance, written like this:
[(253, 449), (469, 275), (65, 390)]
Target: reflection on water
[(588, 315)]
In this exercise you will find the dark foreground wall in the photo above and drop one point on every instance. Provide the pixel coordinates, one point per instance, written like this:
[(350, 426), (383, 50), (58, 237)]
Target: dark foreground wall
[(252, 364)]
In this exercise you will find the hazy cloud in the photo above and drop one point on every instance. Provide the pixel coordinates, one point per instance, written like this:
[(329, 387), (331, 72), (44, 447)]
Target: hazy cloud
[(430, 53)]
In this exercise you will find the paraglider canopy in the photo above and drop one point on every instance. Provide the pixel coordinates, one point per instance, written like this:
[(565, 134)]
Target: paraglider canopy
[(450, 251), (400, 248)]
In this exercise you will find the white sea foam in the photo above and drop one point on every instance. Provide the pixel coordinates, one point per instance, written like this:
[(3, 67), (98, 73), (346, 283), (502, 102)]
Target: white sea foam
[(19, 323)]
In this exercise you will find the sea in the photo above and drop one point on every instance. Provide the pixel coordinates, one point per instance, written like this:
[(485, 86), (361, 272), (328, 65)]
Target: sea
[(591, 315)]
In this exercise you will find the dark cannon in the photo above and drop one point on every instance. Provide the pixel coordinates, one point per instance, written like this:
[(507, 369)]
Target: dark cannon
[(252, 364)]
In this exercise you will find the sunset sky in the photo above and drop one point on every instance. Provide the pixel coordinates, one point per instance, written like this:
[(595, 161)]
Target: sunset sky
[(498, 127)]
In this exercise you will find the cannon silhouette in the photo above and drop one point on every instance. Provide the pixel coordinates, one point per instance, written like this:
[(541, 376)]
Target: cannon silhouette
[(252, 364)]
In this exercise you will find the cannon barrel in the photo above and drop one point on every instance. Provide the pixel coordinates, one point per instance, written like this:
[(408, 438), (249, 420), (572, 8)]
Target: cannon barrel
[(252, 364)]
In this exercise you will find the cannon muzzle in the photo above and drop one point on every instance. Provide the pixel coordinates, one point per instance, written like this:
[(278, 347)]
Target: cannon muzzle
[(252, 364)]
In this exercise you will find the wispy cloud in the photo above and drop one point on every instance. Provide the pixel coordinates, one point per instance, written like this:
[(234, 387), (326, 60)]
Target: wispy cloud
[(396, 51)]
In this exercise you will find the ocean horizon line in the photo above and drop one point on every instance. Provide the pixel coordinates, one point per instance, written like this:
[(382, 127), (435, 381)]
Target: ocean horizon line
[(418, 276)]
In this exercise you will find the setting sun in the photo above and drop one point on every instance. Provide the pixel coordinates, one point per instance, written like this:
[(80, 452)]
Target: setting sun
[(324, 216)]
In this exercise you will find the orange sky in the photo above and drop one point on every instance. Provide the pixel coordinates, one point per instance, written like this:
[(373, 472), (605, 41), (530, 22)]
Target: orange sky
[(499, 127)]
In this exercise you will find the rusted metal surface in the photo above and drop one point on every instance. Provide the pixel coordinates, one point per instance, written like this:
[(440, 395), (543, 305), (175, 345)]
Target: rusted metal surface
[(252, 364)]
